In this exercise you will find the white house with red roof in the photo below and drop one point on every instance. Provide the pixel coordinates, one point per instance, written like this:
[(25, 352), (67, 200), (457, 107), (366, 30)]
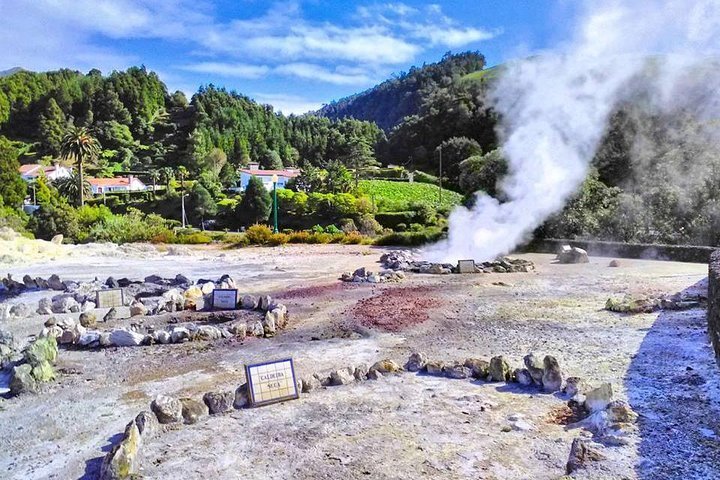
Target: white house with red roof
[(266, 176), (32, 171), (118, 184)]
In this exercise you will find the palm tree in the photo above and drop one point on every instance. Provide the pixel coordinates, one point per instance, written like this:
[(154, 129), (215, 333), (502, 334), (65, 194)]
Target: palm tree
[(167, 174), (68, 186), (154, 176), (79, 146)]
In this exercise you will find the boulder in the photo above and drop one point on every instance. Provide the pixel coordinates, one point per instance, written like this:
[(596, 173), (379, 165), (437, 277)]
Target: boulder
[(416, 362), (112, 283), (574, 385), (179, 335), (87, 306), (89, 339), (167, 409), (88, 320), (478, 368), (269, 324), (568, 254), (138, 309), (614, 263), (208, 332), (121, 462), (619, 411), (162, 337), (54, 283), (192, 410), (22, 380), (41, 283), (599, 398), (65, 304), (456, 370), (342, 376), (499, 369), (281, 314), (219, 402), (361, 372), (264, 302), (42, 350), (29, 282), (535, 366), (374, 375), (434, 367), (256, 329), (57, 239), (173, 300), (147, 424), (241, 396), (52, 331), (125, 338), (360, 272), (111, 315), (386, 366), (523, 377), (194, 298), (207, 288), (20, 310), (44, 307), (310, 383), (249, 302), (552, 376), (238, 329), (105, 339), (181, 279), (580, 453)]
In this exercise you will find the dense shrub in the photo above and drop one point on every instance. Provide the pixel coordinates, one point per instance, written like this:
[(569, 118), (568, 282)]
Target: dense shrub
[(197, 238), (132, 227), (410, 239), (277, 239), (258, 234), (393, 219), (353, 238), (300, 237)]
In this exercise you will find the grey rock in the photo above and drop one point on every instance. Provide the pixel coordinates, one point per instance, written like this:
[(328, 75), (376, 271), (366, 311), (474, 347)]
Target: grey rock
[(192, 410), (342, 376), (147, 424), (41, 283), (249, 302), (264, 302), (570, 254), (54, 283), (112, 283), (416, 362), (361, 372), (500, 369), (167, 409), (219, 402), (552, 376), (574, 385), (179, 335), (44, 307), (580, 453), (269, 324), (434, 367), (111, 315), (457, 371), (163, 337), (310, 383), (125, 338), (138, 309), (479, 368), (208, 332), (88, 320), (523, 377), (22, 380), (242, 398), (535, 367), (89, 339), (20, 310), (599, 398), (256, 329), (29, 282), (65, 304)]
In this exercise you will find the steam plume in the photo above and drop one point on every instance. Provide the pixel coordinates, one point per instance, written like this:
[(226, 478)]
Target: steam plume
[(555, 107)]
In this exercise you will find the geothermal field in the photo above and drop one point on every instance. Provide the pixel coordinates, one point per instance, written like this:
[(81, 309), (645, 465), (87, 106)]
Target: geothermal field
[(404, 375)]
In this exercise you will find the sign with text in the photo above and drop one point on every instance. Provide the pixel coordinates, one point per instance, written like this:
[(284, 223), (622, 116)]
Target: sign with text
[(225, 299), (466, 266), (113, 297), (271, 382)]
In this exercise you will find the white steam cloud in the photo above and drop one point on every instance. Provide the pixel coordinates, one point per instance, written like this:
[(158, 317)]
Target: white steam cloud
[(555, 107)]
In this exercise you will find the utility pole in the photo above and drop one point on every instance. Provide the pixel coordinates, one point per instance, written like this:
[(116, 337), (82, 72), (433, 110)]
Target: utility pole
[(275, 222), (440, 177), (182, 206)]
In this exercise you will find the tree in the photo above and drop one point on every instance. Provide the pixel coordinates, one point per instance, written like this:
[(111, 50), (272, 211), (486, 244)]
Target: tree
[(255, 205), (68, 186), (271, 160), (228, 175), (52, 128), (154, 177), (338, 179), (12, 186), (359, 156), (215, 160), (80, 146), (202, 203), (311, 179), (454, 151), (167, 174), (482, 172)]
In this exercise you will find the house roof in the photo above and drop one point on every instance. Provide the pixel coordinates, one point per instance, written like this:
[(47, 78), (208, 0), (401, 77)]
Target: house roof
[(111, 182), (270, 173), (34, 169)]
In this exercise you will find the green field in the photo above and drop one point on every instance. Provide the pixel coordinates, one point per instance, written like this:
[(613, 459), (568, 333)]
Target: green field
[(397, 196), (485, 75)]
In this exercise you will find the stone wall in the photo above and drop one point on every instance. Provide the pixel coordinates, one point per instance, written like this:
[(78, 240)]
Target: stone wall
[(713, 313), (678, 253)]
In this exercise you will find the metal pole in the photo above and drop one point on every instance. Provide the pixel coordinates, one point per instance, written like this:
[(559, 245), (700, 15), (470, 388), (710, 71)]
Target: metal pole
[(440, 177), (182, 203), (275, 222)]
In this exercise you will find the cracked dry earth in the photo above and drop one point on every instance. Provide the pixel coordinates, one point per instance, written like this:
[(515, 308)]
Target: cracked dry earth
[(405, 426)]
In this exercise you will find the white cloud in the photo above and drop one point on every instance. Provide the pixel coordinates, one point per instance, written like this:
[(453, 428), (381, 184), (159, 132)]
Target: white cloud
[(452, 37), (315, 72), (288, 104), (237, 70)]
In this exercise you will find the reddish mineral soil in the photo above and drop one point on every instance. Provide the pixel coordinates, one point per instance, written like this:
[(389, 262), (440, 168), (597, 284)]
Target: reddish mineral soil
[(394, 310)]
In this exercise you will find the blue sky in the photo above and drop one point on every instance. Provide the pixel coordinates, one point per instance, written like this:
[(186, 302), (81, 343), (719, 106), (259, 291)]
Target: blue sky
[(295, 55)]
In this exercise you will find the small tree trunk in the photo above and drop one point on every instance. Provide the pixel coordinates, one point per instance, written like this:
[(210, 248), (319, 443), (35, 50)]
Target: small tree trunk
[(81, 185)]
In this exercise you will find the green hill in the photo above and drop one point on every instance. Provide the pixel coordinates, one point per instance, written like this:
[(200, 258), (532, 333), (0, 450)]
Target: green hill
[(397, 196)]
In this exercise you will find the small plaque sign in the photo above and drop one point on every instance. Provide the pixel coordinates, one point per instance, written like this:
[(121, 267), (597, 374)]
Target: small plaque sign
[(271, 382), (113, 297), (225, 299), (466, 266)]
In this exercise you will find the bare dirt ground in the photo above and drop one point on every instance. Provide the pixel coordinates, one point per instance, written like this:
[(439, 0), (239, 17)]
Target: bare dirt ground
[(407, 426)]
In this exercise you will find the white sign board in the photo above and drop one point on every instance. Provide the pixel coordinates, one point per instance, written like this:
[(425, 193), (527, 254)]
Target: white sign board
[(271, 382), (109, 298), (466, 266), (225, 299)]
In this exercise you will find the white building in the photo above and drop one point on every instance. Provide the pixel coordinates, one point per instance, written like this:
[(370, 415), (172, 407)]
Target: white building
[(117, 184), (32, 171), (266, 176)]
